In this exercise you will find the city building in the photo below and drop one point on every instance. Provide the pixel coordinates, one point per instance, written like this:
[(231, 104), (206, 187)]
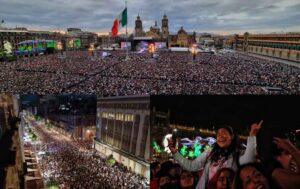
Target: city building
[(7, 104), (139, 32), (154, 31), (182, 39), (123, 130), (156, 34), (86, 38), (17, 35), (12, 168), (72, 115), (284, 46), (107, 40)]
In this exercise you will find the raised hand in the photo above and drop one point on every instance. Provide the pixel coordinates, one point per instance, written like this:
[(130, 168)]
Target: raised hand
[(285, 144), (255, 128)]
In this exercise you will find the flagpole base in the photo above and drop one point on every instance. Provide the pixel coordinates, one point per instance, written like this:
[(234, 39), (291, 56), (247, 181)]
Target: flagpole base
[(127, 58)]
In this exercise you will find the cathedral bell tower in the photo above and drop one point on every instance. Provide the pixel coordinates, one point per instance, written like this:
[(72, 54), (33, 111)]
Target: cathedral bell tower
[(138, 27), (165, 27)]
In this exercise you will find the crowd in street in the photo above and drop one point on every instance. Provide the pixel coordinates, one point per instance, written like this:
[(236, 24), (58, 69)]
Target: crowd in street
[(168, 73), (74, 165)]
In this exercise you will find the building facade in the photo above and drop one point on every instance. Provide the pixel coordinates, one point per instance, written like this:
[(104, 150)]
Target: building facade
[(139, 32), (154, 31), (179, 39), (86, 38), (6, 112), (72, 115), (123, 130), (15, 36), (165, 27), (284, 46), (182, 39)]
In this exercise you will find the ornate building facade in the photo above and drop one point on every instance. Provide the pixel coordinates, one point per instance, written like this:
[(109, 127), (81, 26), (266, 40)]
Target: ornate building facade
[(179, 39), (165, 27), (182, 39), (139, 32), (123, 130), (154, 31), (284, 46)]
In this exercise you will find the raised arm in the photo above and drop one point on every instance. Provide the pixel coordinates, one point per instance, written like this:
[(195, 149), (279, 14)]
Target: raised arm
[(250, 153), (286, 145), (190, 165)]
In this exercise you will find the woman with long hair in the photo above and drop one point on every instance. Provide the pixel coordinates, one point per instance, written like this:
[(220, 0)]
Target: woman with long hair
[(225, 153)]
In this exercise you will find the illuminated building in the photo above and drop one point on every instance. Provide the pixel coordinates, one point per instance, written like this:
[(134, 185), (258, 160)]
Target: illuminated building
[(71, 115), (284, 46), (123, 130), (181, 39), (154, 31), (87, 38), (15, 36)]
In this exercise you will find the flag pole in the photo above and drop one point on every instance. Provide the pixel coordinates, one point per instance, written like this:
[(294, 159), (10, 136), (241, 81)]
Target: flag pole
[(127, 57)]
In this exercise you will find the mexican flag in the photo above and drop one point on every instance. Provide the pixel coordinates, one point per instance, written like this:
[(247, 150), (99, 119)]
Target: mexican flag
[(119, 22)]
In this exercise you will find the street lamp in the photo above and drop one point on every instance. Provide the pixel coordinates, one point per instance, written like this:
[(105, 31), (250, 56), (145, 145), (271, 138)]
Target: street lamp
[(152, 49), (194, 52), (92, 50)]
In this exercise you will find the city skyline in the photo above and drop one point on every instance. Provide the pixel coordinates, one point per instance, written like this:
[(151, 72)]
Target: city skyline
[(227, 17)]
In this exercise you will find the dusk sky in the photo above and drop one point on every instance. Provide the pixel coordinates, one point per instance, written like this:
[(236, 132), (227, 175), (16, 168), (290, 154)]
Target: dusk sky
[(216, 16)]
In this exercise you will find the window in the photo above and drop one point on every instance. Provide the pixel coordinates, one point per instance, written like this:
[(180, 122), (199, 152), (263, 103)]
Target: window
[(129, 117), (111, 116), (119, 117), (104, 115)]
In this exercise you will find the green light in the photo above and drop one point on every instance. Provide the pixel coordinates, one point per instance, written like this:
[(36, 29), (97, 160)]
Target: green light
[(183, 150), (21, 48), (40, 46), (191, 154), (156, 148), (29, 48), (51, 45), (77, 43), (197, 148)]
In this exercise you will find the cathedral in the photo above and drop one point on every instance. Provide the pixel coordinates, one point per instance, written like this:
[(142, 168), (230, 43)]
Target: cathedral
[(154, 31), (180, 39)]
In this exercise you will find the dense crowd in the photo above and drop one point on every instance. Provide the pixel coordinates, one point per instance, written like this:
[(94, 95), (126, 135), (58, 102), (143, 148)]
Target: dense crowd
[(169, 73), (74, 165)]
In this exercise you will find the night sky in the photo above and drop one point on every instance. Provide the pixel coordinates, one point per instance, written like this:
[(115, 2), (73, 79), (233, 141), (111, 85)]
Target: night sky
[(280, 114)]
